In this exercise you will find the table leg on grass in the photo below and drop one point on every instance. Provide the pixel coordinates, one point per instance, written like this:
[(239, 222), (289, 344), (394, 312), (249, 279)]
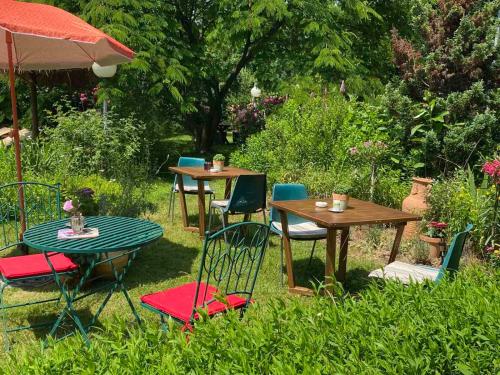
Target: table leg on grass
[(201, 207), (331, 249), (182, 199), (73, 296), (227, 191), (397, 241), (344, 247)]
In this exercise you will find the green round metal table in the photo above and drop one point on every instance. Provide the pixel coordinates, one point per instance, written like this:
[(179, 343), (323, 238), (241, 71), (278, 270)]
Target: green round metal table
[(116, 234)]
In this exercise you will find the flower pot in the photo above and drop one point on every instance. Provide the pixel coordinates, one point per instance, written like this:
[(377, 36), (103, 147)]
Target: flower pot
[(436, 246), (219, 165), (416, 203), (340, 201)]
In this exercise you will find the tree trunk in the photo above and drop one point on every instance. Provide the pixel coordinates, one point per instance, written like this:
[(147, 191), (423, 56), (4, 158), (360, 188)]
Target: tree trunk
[(35, 125), (213, 118)]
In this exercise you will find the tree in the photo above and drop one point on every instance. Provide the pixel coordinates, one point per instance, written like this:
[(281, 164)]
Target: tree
[(451, 70), (222, 37)]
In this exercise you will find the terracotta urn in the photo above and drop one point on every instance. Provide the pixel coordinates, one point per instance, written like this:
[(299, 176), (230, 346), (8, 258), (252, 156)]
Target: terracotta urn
[(436, 246), (416, 203)]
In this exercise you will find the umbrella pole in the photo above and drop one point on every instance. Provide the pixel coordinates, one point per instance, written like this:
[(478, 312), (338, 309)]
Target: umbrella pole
[(15, 133)]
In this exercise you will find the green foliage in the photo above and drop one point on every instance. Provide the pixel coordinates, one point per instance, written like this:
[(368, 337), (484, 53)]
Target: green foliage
[(457, 201), (88, 143), (309, 141), (219, 157), (450, 328), (445, 111)]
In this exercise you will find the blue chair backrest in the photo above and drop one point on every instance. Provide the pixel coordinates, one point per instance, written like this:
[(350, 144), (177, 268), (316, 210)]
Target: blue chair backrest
[(248, 195), (288, 192), (452, 259), (189, 162)]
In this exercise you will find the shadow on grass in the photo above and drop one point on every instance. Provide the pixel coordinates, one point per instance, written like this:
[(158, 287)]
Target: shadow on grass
[(67, 326), (161, 261), (309, 275)]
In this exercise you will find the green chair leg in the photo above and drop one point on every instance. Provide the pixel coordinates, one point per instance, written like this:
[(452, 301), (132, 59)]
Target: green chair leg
[(312, 253), (5, 335)]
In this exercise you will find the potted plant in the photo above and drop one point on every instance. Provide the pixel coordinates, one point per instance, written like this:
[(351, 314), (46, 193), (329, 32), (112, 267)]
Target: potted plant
[(219, 162), (435, 237), (340, 196)]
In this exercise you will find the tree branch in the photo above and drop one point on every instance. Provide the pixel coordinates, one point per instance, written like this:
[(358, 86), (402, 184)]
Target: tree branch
[(247, 54)]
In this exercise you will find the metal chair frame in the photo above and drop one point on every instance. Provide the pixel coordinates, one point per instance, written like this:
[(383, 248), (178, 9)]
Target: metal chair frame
[(300, 193), (231, 261), (38, 208)]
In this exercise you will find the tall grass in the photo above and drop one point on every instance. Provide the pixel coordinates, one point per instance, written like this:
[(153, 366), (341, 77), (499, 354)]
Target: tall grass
[(451, 328)]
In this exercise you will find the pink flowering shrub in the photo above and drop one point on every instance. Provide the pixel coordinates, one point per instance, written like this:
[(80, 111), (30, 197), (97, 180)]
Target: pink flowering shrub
[(436, 229), (492, 168)]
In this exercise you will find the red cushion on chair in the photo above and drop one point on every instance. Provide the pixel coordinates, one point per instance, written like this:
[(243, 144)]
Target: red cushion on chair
[(34, 265), (178, 301)]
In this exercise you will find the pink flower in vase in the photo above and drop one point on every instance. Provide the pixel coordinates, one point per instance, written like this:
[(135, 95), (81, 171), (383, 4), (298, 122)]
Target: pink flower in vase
[(68, 206)]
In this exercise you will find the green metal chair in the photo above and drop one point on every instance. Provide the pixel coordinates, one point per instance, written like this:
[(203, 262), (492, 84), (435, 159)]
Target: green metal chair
[(299, 229), (407, 273), (42, 204), (190, 185), (247, 197), (228, 272)]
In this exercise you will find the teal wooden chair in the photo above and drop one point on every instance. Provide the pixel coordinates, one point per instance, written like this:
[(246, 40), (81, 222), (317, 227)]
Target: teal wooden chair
[(190, 185), (230, 264), (407, 273), (247, 197), (42, 204), (299, 229)]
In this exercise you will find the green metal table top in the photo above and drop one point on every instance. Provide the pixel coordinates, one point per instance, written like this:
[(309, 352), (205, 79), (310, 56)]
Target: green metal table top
[(115, 233)]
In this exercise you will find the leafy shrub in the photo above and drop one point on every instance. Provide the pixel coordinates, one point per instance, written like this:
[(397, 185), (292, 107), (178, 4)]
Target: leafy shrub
[(88, 143), (309, 142), (457, 201), (451, 328)]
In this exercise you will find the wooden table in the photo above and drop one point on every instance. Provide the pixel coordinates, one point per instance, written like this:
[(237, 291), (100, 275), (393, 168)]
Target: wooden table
[(199, 174), (358, 213)]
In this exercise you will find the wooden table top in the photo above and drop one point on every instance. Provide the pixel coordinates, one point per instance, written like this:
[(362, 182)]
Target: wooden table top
[(358, 212), (198, 173)]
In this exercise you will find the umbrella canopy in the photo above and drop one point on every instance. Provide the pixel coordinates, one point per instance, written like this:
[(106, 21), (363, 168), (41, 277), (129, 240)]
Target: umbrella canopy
[(48, 38), (42, 37)]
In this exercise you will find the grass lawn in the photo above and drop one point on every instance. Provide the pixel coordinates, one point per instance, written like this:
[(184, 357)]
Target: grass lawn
[(175, 259)]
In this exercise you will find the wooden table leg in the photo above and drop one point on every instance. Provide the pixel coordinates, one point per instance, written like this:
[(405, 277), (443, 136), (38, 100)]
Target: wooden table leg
[(331, 248), (227, 191), (344, 246), (201, 207), (182, 198), (288, 249), (397, 241)]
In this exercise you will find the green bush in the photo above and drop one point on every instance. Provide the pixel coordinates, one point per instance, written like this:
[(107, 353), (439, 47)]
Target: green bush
[(451, 328), (85, 143), (309, 141), (458, 201)]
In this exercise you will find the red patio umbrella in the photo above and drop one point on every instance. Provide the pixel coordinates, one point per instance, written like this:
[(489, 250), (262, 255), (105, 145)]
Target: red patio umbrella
[(43, 37)]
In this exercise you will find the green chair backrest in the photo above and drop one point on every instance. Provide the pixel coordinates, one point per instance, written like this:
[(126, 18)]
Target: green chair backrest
[(452, 259), (185, 161), (42, 203), (231, 261), (288, 192), (248, 195)]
